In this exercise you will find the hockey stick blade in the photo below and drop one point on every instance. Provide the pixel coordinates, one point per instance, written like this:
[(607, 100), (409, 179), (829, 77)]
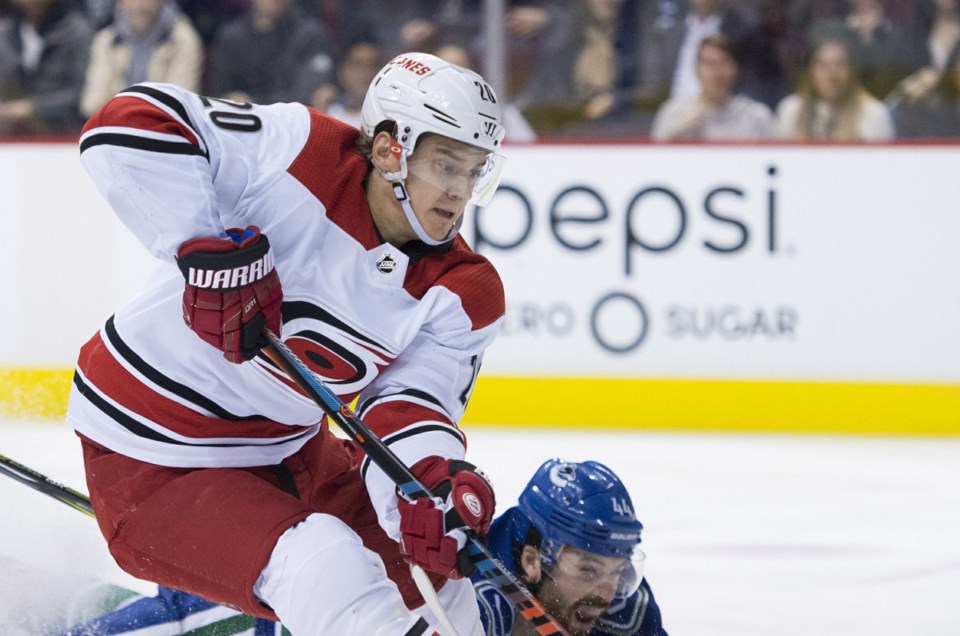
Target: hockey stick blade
[(343, 416), (44, 484)]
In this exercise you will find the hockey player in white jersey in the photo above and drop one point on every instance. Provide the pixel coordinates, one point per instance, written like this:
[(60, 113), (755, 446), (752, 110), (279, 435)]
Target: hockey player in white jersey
[(209, 471)]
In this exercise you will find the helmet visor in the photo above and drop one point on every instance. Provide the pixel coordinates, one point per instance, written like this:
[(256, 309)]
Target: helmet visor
[(609, 577), (488, 183), (461, 171)]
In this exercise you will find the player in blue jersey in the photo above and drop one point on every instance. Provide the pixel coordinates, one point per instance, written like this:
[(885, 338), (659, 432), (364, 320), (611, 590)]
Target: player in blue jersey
[(573, 539), (171, 613)]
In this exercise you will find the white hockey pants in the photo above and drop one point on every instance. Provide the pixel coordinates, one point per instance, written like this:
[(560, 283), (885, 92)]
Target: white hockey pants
[(321, 581)]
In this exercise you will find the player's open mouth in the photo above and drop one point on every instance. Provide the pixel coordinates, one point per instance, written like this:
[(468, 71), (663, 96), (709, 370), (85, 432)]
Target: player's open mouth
[(586, 616), (444, 213)]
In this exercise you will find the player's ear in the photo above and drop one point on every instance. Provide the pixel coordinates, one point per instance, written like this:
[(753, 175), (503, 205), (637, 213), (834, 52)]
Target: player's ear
[(530, 563), (385, 155)]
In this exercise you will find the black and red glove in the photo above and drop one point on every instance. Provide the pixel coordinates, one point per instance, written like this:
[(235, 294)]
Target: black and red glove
[(428, 532), (232, 291)]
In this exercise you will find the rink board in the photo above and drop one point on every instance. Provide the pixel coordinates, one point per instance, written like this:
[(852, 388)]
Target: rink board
[(676, 287), (636, 404)]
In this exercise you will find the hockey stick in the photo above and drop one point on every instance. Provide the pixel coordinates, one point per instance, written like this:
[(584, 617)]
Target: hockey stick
[(378, 452), (44, 484), (429, 594), (78, 501)]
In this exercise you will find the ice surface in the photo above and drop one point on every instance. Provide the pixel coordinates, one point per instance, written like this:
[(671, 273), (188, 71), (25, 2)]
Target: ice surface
[(744, 535)]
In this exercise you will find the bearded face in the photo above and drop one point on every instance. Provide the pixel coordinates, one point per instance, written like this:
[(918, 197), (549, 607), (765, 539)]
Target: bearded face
[(579, 588)]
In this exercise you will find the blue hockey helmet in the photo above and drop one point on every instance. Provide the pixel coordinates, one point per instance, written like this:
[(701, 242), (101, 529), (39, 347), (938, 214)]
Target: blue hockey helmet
[(584, 505)]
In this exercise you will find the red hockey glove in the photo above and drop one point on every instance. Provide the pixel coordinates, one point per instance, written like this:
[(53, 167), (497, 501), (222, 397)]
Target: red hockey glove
[(428, 532), (232, 291)]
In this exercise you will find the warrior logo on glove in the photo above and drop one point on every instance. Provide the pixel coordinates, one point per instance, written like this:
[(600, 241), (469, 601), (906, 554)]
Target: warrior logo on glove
[(232, 291), (231, 278)]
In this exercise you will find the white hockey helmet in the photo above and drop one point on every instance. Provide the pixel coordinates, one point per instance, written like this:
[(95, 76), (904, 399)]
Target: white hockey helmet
[(424, 94)]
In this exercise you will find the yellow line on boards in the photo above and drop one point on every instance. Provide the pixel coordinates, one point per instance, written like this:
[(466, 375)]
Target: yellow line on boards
[(34, 392), (717, 405), (635, 404)]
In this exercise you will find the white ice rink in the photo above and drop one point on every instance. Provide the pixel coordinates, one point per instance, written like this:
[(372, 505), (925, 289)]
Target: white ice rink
[(744, 535)]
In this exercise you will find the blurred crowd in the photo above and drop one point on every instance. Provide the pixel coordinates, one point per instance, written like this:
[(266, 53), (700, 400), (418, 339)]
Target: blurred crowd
[(841, 70)]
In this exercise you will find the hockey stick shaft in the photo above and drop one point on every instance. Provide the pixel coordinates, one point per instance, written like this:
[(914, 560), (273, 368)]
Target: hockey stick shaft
[(378, 452), (78, 501), (44, 484)]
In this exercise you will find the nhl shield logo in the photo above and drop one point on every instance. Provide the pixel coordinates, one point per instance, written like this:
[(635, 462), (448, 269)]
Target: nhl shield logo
[(387, 264)]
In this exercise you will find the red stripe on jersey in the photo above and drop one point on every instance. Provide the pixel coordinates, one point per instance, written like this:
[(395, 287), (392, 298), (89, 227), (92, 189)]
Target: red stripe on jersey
[(332, 169), (105, 373), (465, 273), (389, 417), (133, 112)]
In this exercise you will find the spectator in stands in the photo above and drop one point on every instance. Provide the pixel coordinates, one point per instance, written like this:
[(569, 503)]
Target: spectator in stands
[(517, 127), (865, 19), (425, 25), (704, 18), (44, 47), (938, 30), (525, 26), (716, 113), (762, 54), (99, 12), (883, 48), (831, 103), (577, 73), (407, 25), (361, 61), (670, 36), (208, 16), (937, 112), (273, 53), (149, 40)]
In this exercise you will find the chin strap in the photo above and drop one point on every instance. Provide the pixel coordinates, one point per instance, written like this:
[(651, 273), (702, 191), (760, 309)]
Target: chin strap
[(400, 191)]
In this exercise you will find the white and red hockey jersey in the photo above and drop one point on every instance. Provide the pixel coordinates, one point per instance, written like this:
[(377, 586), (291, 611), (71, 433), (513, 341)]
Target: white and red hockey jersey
[(405, 330)]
